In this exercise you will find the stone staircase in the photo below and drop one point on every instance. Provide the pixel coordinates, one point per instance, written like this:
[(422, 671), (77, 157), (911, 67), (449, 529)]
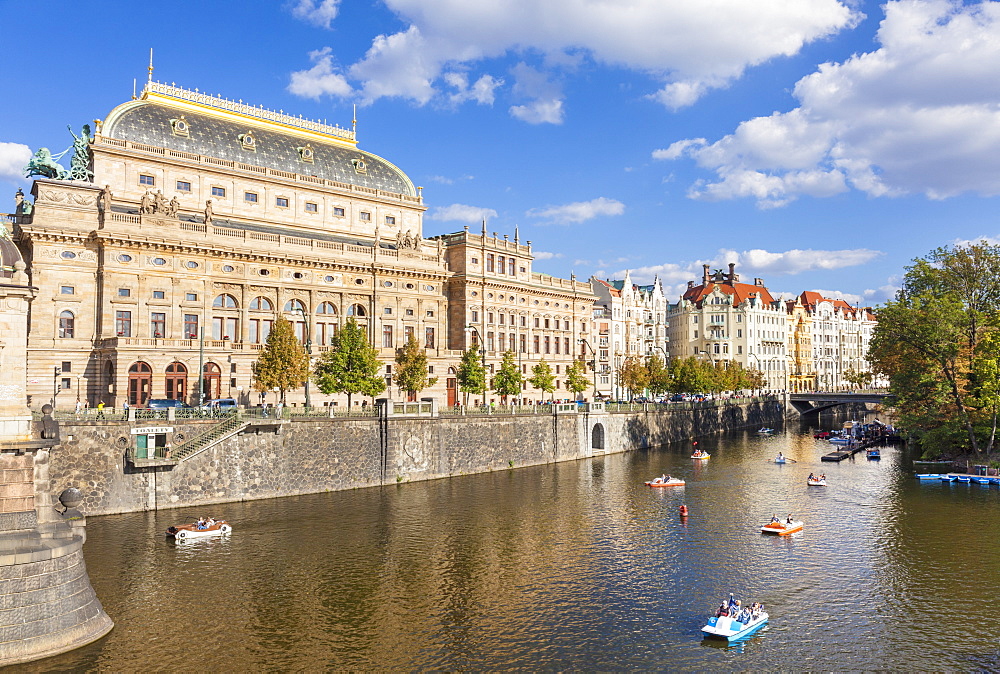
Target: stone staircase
[(227, 428)]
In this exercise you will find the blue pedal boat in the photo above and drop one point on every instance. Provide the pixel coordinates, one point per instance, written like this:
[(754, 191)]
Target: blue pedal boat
[(724, 627)]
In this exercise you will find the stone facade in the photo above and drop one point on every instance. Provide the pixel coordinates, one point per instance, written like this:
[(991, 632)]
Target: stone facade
[(309, 455)]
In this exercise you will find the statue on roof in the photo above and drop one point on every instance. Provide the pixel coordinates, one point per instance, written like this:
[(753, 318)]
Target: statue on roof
[(79, 164), (173, 206), (44, 163), (146, 203), (208, 212)]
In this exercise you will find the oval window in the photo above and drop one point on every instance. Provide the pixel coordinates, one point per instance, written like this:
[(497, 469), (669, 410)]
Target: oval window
[(328, 279), (68, 255), (475, 294), (159, 261), (265, 272), (298, 275), (409, 286), (228, 267), (429, 288), (191, 264), (387, 284), (124, 257), (359, 281)]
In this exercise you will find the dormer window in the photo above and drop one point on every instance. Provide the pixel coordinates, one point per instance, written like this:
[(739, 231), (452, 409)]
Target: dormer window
[(248, 141), (306, 154), (359, 165), (180, 127)]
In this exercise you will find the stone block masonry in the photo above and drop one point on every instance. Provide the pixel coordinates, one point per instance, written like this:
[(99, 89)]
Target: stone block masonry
[(310, 455)]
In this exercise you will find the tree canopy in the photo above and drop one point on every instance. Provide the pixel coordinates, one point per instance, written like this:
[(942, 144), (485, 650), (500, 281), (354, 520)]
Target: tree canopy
[(471, 373), (351, 365), (542, 377), (576, 378), (283, 362), (411, 371), (507, 381)]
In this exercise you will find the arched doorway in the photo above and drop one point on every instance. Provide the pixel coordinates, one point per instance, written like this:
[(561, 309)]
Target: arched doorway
[(140, 383), (212, 381), (452, 387), (176, 384), (597, 437)]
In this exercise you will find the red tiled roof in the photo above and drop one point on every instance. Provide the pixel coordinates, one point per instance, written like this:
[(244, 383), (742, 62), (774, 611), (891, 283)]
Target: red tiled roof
[(739, 291)]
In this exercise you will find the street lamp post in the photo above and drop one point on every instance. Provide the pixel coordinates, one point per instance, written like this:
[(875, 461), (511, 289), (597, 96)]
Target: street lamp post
[(305, 320), (594, 368), (756, 358), (55, 384), (469, 330)]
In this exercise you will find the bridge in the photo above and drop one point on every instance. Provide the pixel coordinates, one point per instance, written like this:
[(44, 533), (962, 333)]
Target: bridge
[(817, 401)]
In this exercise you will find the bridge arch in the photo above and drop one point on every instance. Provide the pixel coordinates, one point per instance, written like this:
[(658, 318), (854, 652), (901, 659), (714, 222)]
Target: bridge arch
[(597, 437)]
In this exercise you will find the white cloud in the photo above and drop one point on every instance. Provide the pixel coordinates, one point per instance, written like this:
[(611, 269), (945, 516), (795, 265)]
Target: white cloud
[(920, 114), (482, 91), (462, 213), (545, 105), (544, 255), (13, 158), (320, 79), (687, 48), (445, 180), (317, 13), (579, 211)]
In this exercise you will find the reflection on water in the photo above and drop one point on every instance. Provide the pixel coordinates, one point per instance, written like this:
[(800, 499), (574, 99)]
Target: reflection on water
[(570, 566)]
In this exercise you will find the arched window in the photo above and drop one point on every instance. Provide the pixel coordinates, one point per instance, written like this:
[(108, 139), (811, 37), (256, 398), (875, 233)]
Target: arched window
[(326, 308), (212, 381), (356, 310), (67, 325), (176, 381), (140, 383), (261, 304), (597, 437), (326, 324), (225, 301), (294, 305)]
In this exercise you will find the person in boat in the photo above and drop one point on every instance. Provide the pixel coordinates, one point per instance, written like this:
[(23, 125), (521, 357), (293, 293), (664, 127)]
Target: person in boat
[(780, 457), (789, 520), (774, 519), (811, 476), (733, 602), (823, 476), (200, 524), (723, 610)]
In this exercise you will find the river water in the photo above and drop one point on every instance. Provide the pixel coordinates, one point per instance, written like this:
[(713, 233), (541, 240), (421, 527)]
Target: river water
[(575, 566)]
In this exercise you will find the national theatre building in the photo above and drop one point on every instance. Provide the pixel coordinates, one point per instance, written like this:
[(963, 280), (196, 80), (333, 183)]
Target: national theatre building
[(188, 223)]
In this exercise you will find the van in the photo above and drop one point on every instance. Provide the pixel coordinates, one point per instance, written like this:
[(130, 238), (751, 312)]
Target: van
[(221, 405)]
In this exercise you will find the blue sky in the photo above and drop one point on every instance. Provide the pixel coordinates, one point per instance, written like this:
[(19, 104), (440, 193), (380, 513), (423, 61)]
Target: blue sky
[(819, 144)]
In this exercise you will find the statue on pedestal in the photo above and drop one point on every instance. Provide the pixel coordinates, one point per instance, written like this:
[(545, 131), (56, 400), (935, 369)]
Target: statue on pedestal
[(208, 212), (146, 204)]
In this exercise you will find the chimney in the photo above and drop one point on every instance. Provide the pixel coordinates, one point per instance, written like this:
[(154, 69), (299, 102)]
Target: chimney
[(758, 281), (690, 284), (732, 273), (704, 274)]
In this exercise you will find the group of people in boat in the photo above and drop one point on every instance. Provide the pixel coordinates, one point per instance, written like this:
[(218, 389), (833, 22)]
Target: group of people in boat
[(817, 477), (662, 479), (775, 520), (205, 523), (697, 453), (734, 609)]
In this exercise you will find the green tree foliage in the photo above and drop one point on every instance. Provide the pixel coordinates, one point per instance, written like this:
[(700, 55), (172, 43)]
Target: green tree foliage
[(471, 374), (542, 377), (576, 378), (634, 376), (351, 365), (283, 362), (935, 343), (410, 374), (857, 379), (507, 381), (659, 375)]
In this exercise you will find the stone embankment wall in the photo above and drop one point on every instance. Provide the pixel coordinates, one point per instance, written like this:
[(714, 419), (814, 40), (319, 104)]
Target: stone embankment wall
[(309, 455)]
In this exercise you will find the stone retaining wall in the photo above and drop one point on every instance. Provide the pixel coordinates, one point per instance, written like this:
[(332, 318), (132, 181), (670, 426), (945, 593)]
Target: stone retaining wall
[(309, 455)]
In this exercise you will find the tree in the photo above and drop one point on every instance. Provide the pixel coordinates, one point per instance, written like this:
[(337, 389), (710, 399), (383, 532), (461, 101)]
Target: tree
[(351, 365), (634, 376), (471, 373), (411, 368), (576, 378), (507, 381), (659, 375), (855, 378), (283, 362), (542, 377)]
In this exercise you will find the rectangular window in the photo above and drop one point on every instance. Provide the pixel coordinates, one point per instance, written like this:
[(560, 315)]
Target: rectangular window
[(548, 348), (338, 211), (502, 264), (489, 317), (501, 319), (535, 343), (123, 323), (259, 330), (311, 207), (510, 266), (475, 260), (281, 202), (250, 197), (566, 344), (490, 345), (190, 326), (739, 333), (67, 290), (147, 180), (218, 191), (489, 262), (430, 314), (390, 220), (546, 324), (365, 216), (524, 344), (183, 186), (409, 312), (67, 367), (475, 317), (387, 311), (524, 321), (66, 325), (387, 336), (226, 329), (428, 338), (191, 297), (408, 333), (158, 295), (524, 270), (536, 321), (565, 325), (503, 342), (124, 292), (157, 324), (65, 384), (557, 344)]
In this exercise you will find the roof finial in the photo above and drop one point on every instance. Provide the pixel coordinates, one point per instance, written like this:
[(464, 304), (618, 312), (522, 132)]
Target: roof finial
[(150, 77), (354, 121), (516, 237), (484, 228)]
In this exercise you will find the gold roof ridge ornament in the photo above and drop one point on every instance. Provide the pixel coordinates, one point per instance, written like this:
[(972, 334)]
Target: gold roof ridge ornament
[(227, 108)]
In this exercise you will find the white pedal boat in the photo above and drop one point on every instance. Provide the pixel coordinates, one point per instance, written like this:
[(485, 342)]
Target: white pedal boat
[(816, 482), (724, 627), (183, 532)]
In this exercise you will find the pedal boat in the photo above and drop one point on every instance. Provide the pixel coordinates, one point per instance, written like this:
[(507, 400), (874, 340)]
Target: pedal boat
[(928, 476), (816, 482), (781, 460), (724, 627), (182, 532), (782, 528), (702, 456), (672, 482)]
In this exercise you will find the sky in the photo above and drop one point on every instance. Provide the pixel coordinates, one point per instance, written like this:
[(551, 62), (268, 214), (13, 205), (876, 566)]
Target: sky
[(818, 144)]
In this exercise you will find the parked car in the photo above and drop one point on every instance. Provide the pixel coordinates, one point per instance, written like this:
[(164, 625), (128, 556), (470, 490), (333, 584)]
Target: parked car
[(164, 403), (220, 405)]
